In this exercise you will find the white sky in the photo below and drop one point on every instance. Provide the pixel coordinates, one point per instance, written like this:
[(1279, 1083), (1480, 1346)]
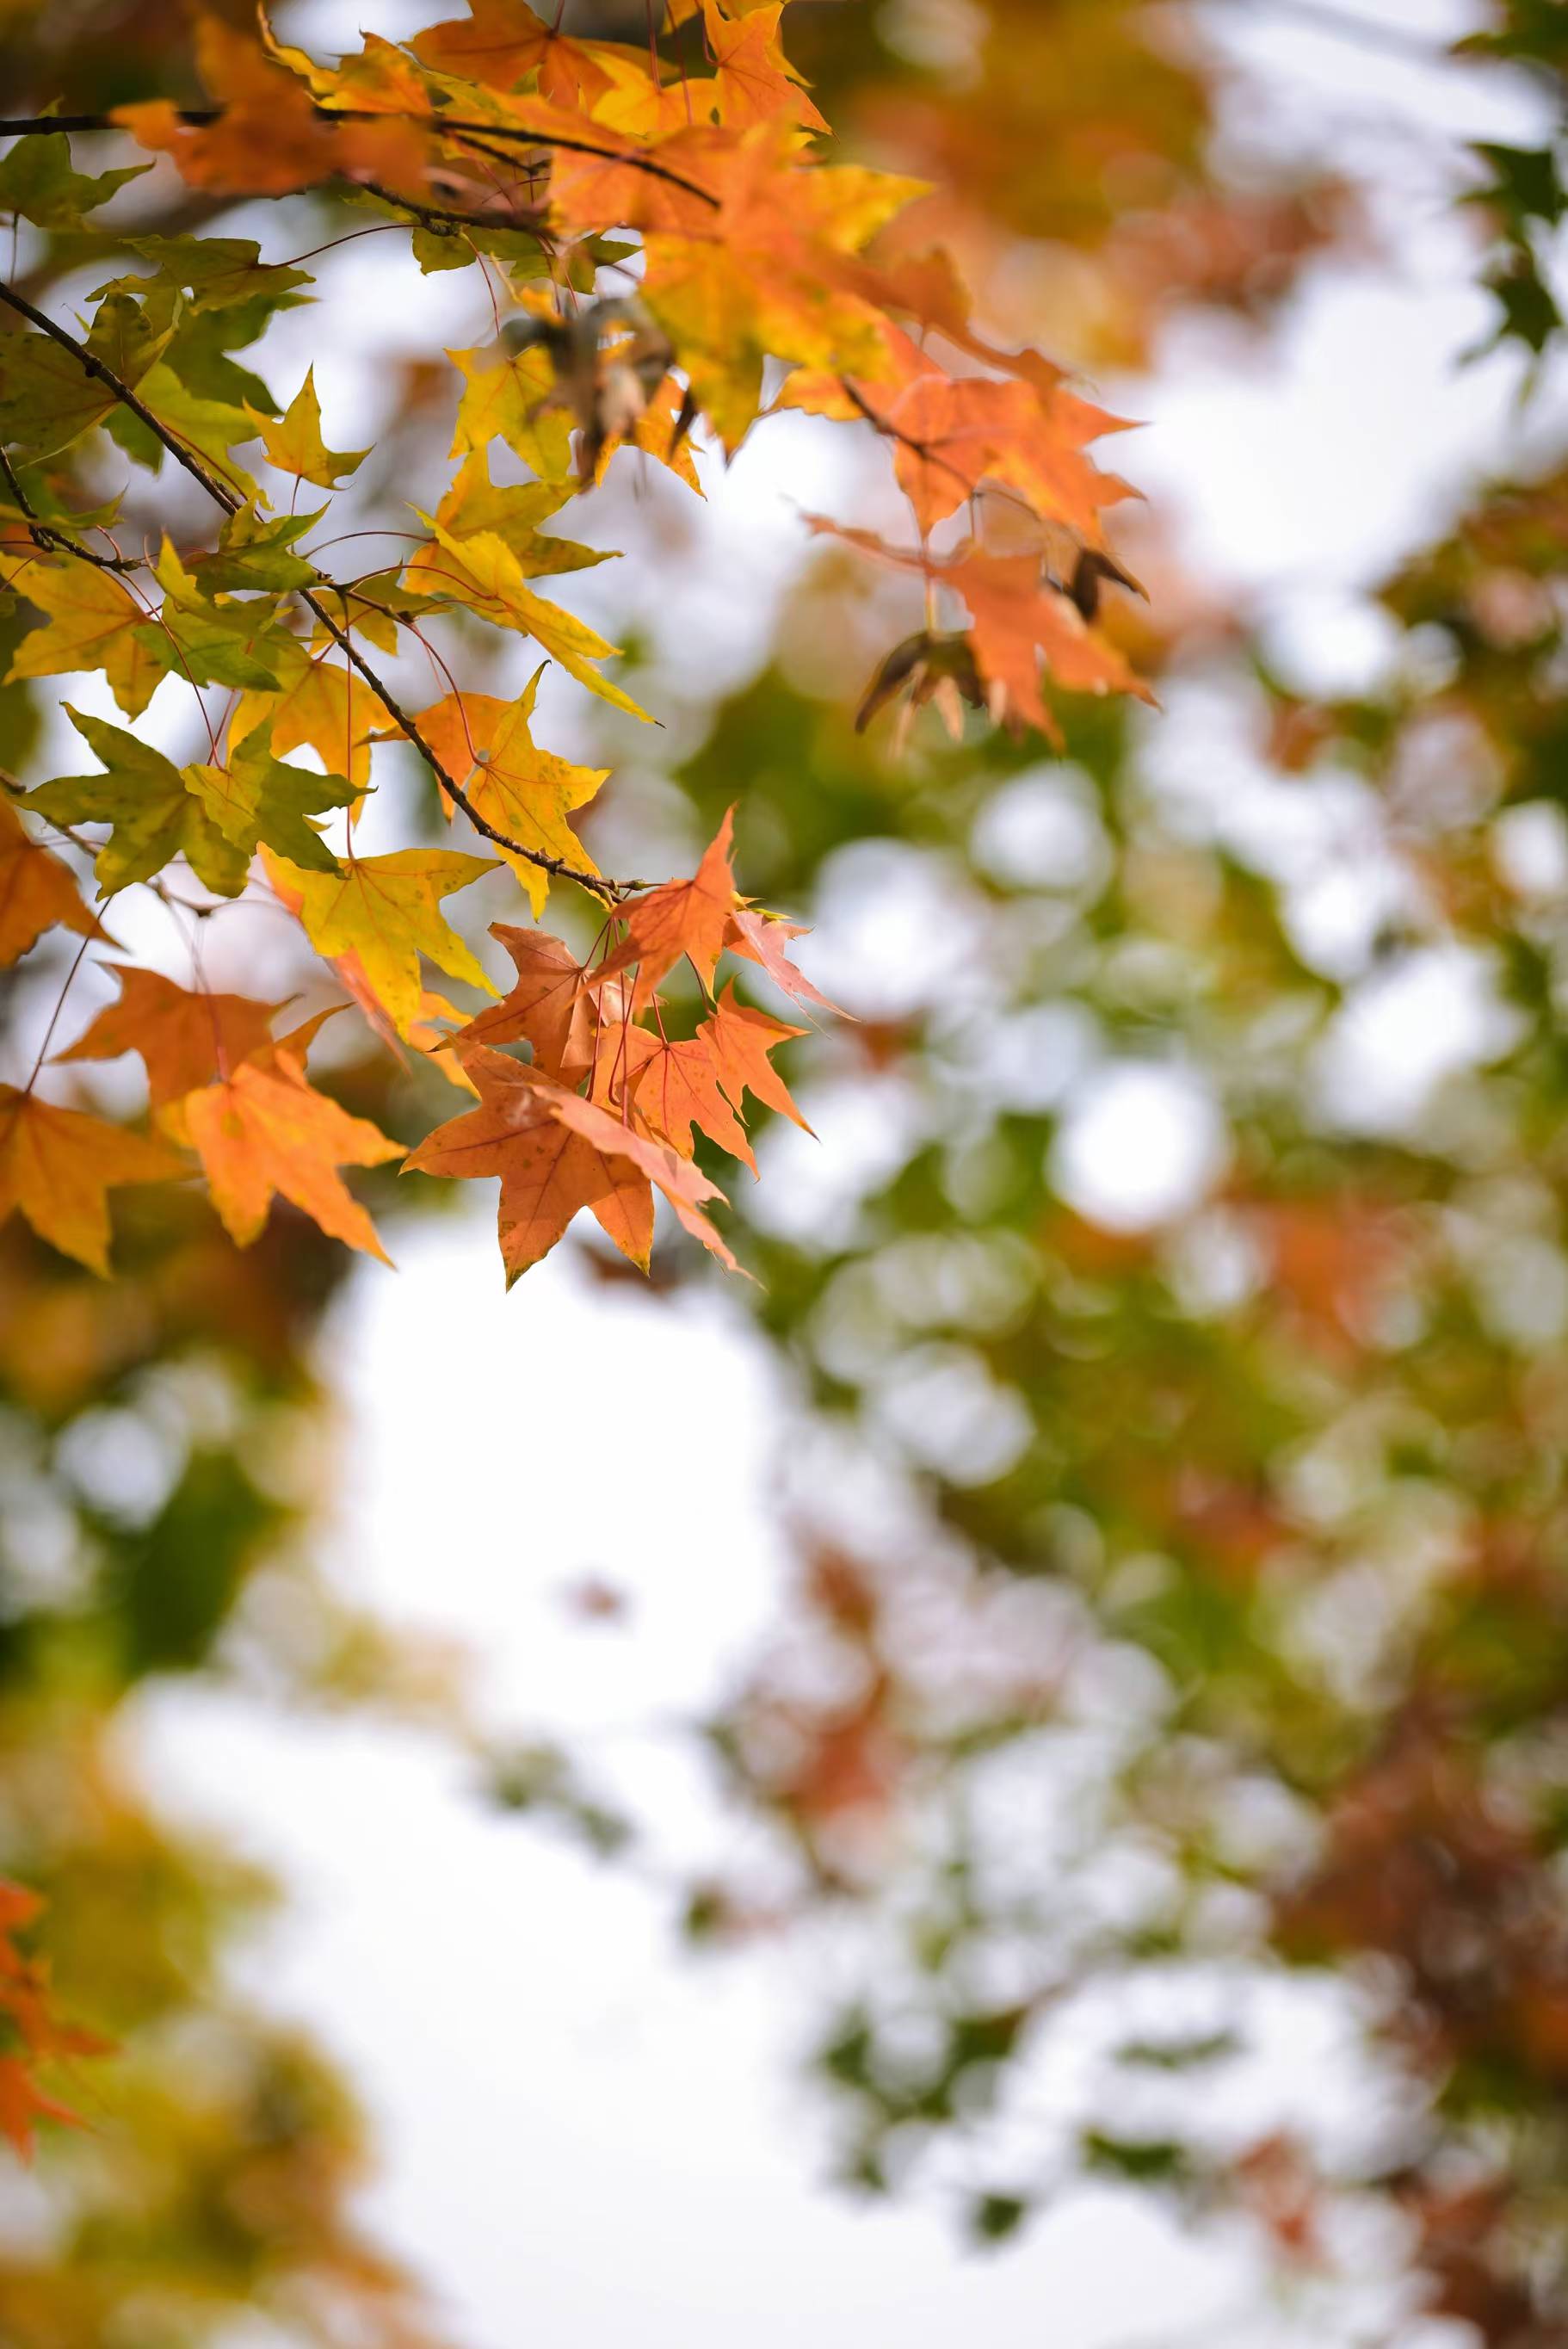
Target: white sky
[(586, 2135)]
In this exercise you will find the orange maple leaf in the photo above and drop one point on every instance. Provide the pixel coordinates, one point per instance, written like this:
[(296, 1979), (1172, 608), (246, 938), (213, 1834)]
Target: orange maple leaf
[(687, 1191), (680, 918), (263, 1130), (740, 1040), (755, 80), (547, 1172), (549, 1008), (952, 434), (37, 889), (57, 1166), (502, 42), (1017, 620), (185, 1039), (678, 1088), (269, 139)]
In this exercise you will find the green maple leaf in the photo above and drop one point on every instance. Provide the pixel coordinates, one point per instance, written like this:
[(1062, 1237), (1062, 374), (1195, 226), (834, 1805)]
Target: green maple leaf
[(37, 179), (258, 799), (155, 812)]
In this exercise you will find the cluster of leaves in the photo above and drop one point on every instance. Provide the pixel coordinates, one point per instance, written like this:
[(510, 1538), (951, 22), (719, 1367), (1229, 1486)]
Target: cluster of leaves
[(560, 164)]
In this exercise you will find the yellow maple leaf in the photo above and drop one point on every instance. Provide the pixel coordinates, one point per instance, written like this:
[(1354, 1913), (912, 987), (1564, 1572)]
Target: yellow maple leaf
[(384, 912), (486, 745), (294, 442), (483, 573), (57, 1165), (505, 399), (92, 623), (322, 707)]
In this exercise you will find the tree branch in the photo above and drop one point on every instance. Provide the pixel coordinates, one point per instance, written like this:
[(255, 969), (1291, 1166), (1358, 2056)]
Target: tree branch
[(227, 498), (44, 537), (33, 125), (610, 891)]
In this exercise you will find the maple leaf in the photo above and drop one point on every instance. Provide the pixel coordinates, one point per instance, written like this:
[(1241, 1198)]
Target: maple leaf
[(678, 1088), (739, 1039), (294, 442), (155, 812), (49, 397), (677, 197), (762, 939), (23, 2102), (486, 745), (513, 514), (37, 181), (384, 912), (507, 398), (679, 919), (547, 1173), (661, 428), (256, 800), (483, 573), (952, 434), (264, 1131), (92, 622), (729, 302), (321, 706), (268, 140), (57, 1165), (687, 1191), (621, 1053), (1018, 619), (556, 1154), (549, 1008), (502, 41), (217, 641), (755, 81), (37, 889), (255, 551), (185, 1039)]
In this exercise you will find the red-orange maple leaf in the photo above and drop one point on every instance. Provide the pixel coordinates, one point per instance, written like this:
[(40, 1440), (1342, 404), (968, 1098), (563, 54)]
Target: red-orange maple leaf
[(548, 1171), (740, 1040), (678, 1088), (185, 1039), (549, 1008), (680, 918)]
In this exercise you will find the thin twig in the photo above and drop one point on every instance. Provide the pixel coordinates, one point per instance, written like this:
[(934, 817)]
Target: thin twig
[(437, 217)]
